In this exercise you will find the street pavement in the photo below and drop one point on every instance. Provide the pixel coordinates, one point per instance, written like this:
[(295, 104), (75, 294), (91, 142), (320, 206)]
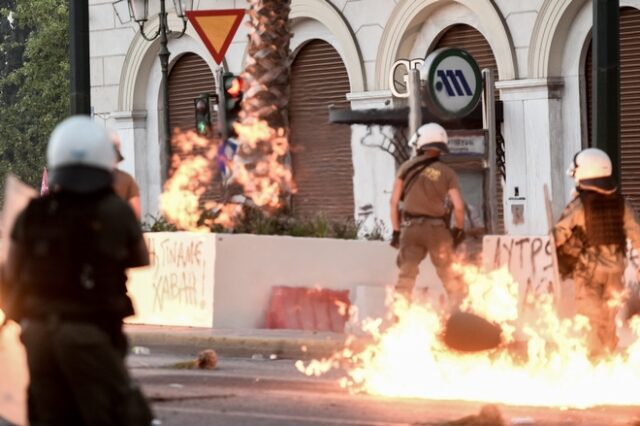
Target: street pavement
[(256, 384), (289, 344), (259, 391)]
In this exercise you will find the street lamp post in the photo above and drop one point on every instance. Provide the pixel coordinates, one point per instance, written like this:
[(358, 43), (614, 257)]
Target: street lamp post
[(139, 12)]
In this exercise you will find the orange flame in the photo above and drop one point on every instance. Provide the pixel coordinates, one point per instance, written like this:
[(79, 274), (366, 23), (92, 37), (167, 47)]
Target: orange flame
[(263, 181), (409, 359), (266, 179), (192, 164)]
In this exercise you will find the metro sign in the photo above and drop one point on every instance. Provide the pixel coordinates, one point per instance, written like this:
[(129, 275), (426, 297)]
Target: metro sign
[(452, 81)]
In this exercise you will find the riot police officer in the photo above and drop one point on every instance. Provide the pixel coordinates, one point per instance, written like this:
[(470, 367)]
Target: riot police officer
[(68, 254), (591, 239)]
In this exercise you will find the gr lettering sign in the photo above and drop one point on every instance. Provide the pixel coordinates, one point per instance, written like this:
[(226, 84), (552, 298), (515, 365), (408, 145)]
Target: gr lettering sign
[(452, 81), (399, 76)]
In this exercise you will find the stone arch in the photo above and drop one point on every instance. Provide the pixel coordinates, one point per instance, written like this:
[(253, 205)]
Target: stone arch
[(340, 36), (142, 55), (558, 49), (557, 23), (401, 33), (550, 31), (138, 101)]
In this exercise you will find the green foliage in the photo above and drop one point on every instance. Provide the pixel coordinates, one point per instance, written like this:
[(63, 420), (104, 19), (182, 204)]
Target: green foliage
[(35, 90), (318, 226), (12, 45), (256, 222), (157, 224), (377, 233)]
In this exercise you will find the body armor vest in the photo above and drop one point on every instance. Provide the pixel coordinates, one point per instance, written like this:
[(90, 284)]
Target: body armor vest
[(67, 271), (604, 218)]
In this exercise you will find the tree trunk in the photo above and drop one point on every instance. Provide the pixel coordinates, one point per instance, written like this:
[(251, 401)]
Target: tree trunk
[(263, 126), (267, 72)]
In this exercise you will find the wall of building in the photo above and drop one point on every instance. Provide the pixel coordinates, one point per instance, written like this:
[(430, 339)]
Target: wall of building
[(538, 45)]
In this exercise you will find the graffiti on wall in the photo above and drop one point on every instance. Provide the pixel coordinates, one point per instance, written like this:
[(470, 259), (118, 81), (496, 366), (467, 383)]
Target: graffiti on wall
[(528, 259), (177, 288), (178, 276)]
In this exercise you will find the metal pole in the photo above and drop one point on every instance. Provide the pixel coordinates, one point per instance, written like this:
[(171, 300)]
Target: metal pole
[(164, 64), (606, 80), (415, 103), (80, 101), (222, 110), (489, 123)]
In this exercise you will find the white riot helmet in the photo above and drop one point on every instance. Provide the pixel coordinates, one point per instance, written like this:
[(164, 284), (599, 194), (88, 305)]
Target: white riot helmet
[(430, 136), (592, 167), (80, 155)]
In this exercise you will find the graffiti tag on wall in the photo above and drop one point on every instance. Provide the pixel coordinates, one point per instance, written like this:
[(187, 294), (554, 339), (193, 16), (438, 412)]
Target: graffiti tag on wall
[(177, 288), (528, 259)]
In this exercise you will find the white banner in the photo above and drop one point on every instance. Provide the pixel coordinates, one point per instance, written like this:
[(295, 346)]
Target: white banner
[(177, 288)]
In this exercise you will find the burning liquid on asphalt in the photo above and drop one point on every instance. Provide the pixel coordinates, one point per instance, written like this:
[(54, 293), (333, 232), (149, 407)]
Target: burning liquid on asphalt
[(550, 368)]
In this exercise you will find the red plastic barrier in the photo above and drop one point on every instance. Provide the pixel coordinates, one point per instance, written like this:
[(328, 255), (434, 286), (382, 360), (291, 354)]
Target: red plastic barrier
[(304, 308)]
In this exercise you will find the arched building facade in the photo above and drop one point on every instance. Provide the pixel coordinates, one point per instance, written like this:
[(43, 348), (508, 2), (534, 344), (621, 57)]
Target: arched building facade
[(539, 50)]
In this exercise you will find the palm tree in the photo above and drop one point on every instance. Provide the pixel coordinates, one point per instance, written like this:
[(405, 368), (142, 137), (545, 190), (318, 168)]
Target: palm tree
[(266, 96), (267, 72)]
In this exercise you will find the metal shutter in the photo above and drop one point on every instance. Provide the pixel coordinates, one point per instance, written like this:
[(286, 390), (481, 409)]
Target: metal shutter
[(190, 77), (468, 38), (629, 102), (320, 152)]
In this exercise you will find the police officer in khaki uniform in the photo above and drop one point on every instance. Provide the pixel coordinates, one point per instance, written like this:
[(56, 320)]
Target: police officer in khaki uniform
[(423, 184), (591, 240)]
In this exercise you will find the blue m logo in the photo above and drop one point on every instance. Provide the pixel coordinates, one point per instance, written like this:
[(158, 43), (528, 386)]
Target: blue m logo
[(454, 82)]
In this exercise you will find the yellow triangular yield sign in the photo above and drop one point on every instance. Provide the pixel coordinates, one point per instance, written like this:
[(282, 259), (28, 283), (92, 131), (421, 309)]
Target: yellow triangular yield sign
[(216, 28)]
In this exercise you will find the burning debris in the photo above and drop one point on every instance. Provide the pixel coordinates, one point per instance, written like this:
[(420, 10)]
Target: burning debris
[(206, 360), (258, 181), (489, 416), (541, 359), (468, 332)]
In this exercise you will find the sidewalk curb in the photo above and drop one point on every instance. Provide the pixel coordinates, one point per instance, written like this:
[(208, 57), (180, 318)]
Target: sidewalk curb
[(237, 346)]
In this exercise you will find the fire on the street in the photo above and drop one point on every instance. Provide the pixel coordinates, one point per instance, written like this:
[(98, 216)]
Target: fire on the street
[(542, 359), (550, 368), (264, 178)]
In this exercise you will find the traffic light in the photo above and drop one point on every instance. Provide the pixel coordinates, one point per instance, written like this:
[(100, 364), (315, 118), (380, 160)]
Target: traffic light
[(203, 115), (231, 97)]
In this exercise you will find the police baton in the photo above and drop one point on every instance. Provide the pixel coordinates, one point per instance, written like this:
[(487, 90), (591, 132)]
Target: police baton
[(554, 255)]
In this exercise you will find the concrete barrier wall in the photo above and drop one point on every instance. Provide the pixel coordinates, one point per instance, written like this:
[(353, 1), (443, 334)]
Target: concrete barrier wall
[(233, 274), (225, 280), (178, 287)]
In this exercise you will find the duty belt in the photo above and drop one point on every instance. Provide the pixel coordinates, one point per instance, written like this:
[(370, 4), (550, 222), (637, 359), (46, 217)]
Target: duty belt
[(410, 218)]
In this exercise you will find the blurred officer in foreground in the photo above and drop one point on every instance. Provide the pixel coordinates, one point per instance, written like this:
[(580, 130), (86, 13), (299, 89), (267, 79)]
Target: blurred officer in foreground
[(591, 240), (66, 279), (423, 184), (124, 185)]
